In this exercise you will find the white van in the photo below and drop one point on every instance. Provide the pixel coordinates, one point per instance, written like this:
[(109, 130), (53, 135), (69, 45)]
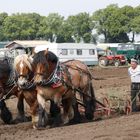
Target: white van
[(84, 52)]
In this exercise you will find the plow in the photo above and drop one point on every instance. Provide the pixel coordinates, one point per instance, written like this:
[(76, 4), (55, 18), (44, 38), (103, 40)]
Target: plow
[(109, 104)]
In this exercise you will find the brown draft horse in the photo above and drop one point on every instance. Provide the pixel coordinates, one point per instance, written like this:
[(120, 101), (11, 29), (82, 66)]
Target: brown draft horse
[(24, 72), (59, 82)]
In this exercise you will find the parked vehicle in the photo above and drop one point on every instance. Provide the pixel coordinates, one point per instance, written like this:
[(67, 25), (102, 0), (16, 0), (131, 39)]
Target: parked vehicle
[(10, 53), (109, 58), (84, 52), (130, 50)]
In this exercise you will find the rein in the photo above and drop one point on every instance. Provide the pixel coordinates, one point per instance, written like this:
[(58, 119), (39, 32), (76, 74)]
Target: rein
[(8, 93), (82, 93)]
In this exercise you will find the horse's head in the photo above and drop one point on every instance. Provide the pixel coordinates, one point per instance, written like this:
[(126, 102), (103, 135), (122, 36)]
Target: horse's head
[(23, 68), (44, 63)]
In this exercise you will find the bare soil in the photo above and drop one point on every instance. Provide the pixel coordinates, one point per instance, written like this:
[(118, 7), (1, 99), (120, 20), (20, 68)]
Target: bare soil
[(121, 127)]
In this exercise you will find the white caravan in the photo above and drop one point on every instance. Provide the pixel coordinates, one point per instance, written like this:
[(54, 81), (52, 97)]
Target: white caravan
[(84, 52)]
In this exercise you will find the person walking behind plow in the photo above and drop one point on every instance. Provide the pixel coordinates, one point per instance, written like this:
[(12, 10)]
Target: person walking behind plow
[(134, 73)]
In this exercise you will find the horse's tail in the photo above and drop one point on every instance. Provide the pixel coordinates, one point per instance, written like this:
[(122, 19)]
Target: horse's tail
[(90, 102), (91, 90), (5, 115)]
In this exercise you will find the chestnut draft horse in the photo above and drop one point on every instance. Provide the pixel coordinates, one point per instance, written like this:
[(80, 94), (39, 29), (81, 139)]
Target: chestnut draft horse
[(25, 77), (59, 82), (24, 73)]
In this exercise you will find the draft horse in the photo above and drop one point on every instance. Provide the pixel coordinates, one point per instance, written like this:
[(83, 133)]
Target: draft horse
[(24, 74), (8, 87), (5, 70), (25, 81), (59, 82)]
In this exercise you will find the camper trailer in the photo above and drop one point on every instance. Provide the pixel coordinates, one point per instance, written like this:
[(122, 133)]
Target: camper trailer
[(86, 53)]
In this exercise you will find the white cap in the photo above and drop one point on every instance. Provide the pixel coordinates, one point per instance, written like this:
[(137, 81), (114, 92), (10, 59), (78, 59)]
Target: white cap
[(134, 60)]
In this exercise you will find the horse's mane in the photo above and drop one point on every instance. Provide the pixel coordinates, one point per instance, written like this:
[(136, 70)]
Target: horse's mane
[(41, 57), (25, 59)]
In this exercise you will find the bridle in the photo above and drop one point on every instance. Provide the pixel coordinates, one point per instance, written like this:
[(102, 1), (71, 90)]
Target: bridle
[(30, 80), (41, 73), (53, 77), (23, 75)]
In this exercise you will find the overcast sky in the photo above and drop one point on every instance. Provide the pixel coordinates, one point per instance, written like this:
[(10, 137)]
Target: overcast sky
[(63, 7)]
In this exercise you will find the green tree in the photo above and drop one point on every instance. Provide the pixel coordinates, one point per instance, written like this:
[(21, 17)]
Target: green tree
[(112, 23), (65, 33), (36, 18), (3, 16), (20, 26), (81, 26), (50, 26), (135, 23)]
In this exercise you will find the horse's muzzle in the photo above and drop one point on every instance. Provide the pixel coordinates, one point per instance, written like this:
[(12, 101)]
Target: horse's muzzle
[(38, 79), (22, 82)]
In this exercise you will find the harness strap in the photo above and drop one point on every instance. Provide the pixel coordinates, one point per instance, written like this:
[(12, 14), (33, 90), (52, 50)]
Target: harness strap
[(8, 93)]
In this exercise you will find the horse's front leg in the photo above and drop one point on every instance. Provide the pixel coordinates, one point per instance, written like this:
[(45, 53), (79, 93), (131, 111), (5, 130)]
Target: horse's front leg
[(42, 114), (20, 106), (34, 113), (5, 114)]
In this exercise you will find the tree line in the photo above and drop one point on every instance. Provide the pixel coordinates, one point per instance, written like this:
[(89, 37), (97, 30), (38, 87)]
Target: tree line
[(115, 24)]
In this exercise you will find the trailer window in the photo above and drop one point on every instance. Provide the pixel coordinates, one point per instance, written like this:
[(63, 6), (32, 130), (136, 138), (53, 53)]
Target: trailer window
[(71, 52), (64, 52), (91, 51), (79, 51)]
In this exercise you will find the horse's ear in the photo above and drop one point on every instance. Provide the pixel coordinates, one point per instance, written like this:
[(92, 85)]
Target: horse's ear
[(46, 51)]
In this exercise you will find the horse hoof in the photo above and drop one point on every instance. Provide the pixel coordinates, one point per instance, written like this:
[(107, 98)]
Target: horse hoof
[(37, 127), (89, 116), (34, 127), (22, 119), (74, 121), (27, 119)]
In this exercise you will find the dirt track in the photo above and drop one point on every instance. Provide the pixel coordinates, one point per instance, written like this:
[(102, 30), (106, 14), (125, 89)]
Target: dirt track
[(121, 127)]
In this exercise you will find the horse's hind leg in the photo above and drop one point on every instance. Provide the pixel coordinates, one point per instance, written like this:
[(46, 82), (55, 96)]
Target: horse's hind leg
[(5, 115), (68, 112), (77, 115), (90, 103)]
